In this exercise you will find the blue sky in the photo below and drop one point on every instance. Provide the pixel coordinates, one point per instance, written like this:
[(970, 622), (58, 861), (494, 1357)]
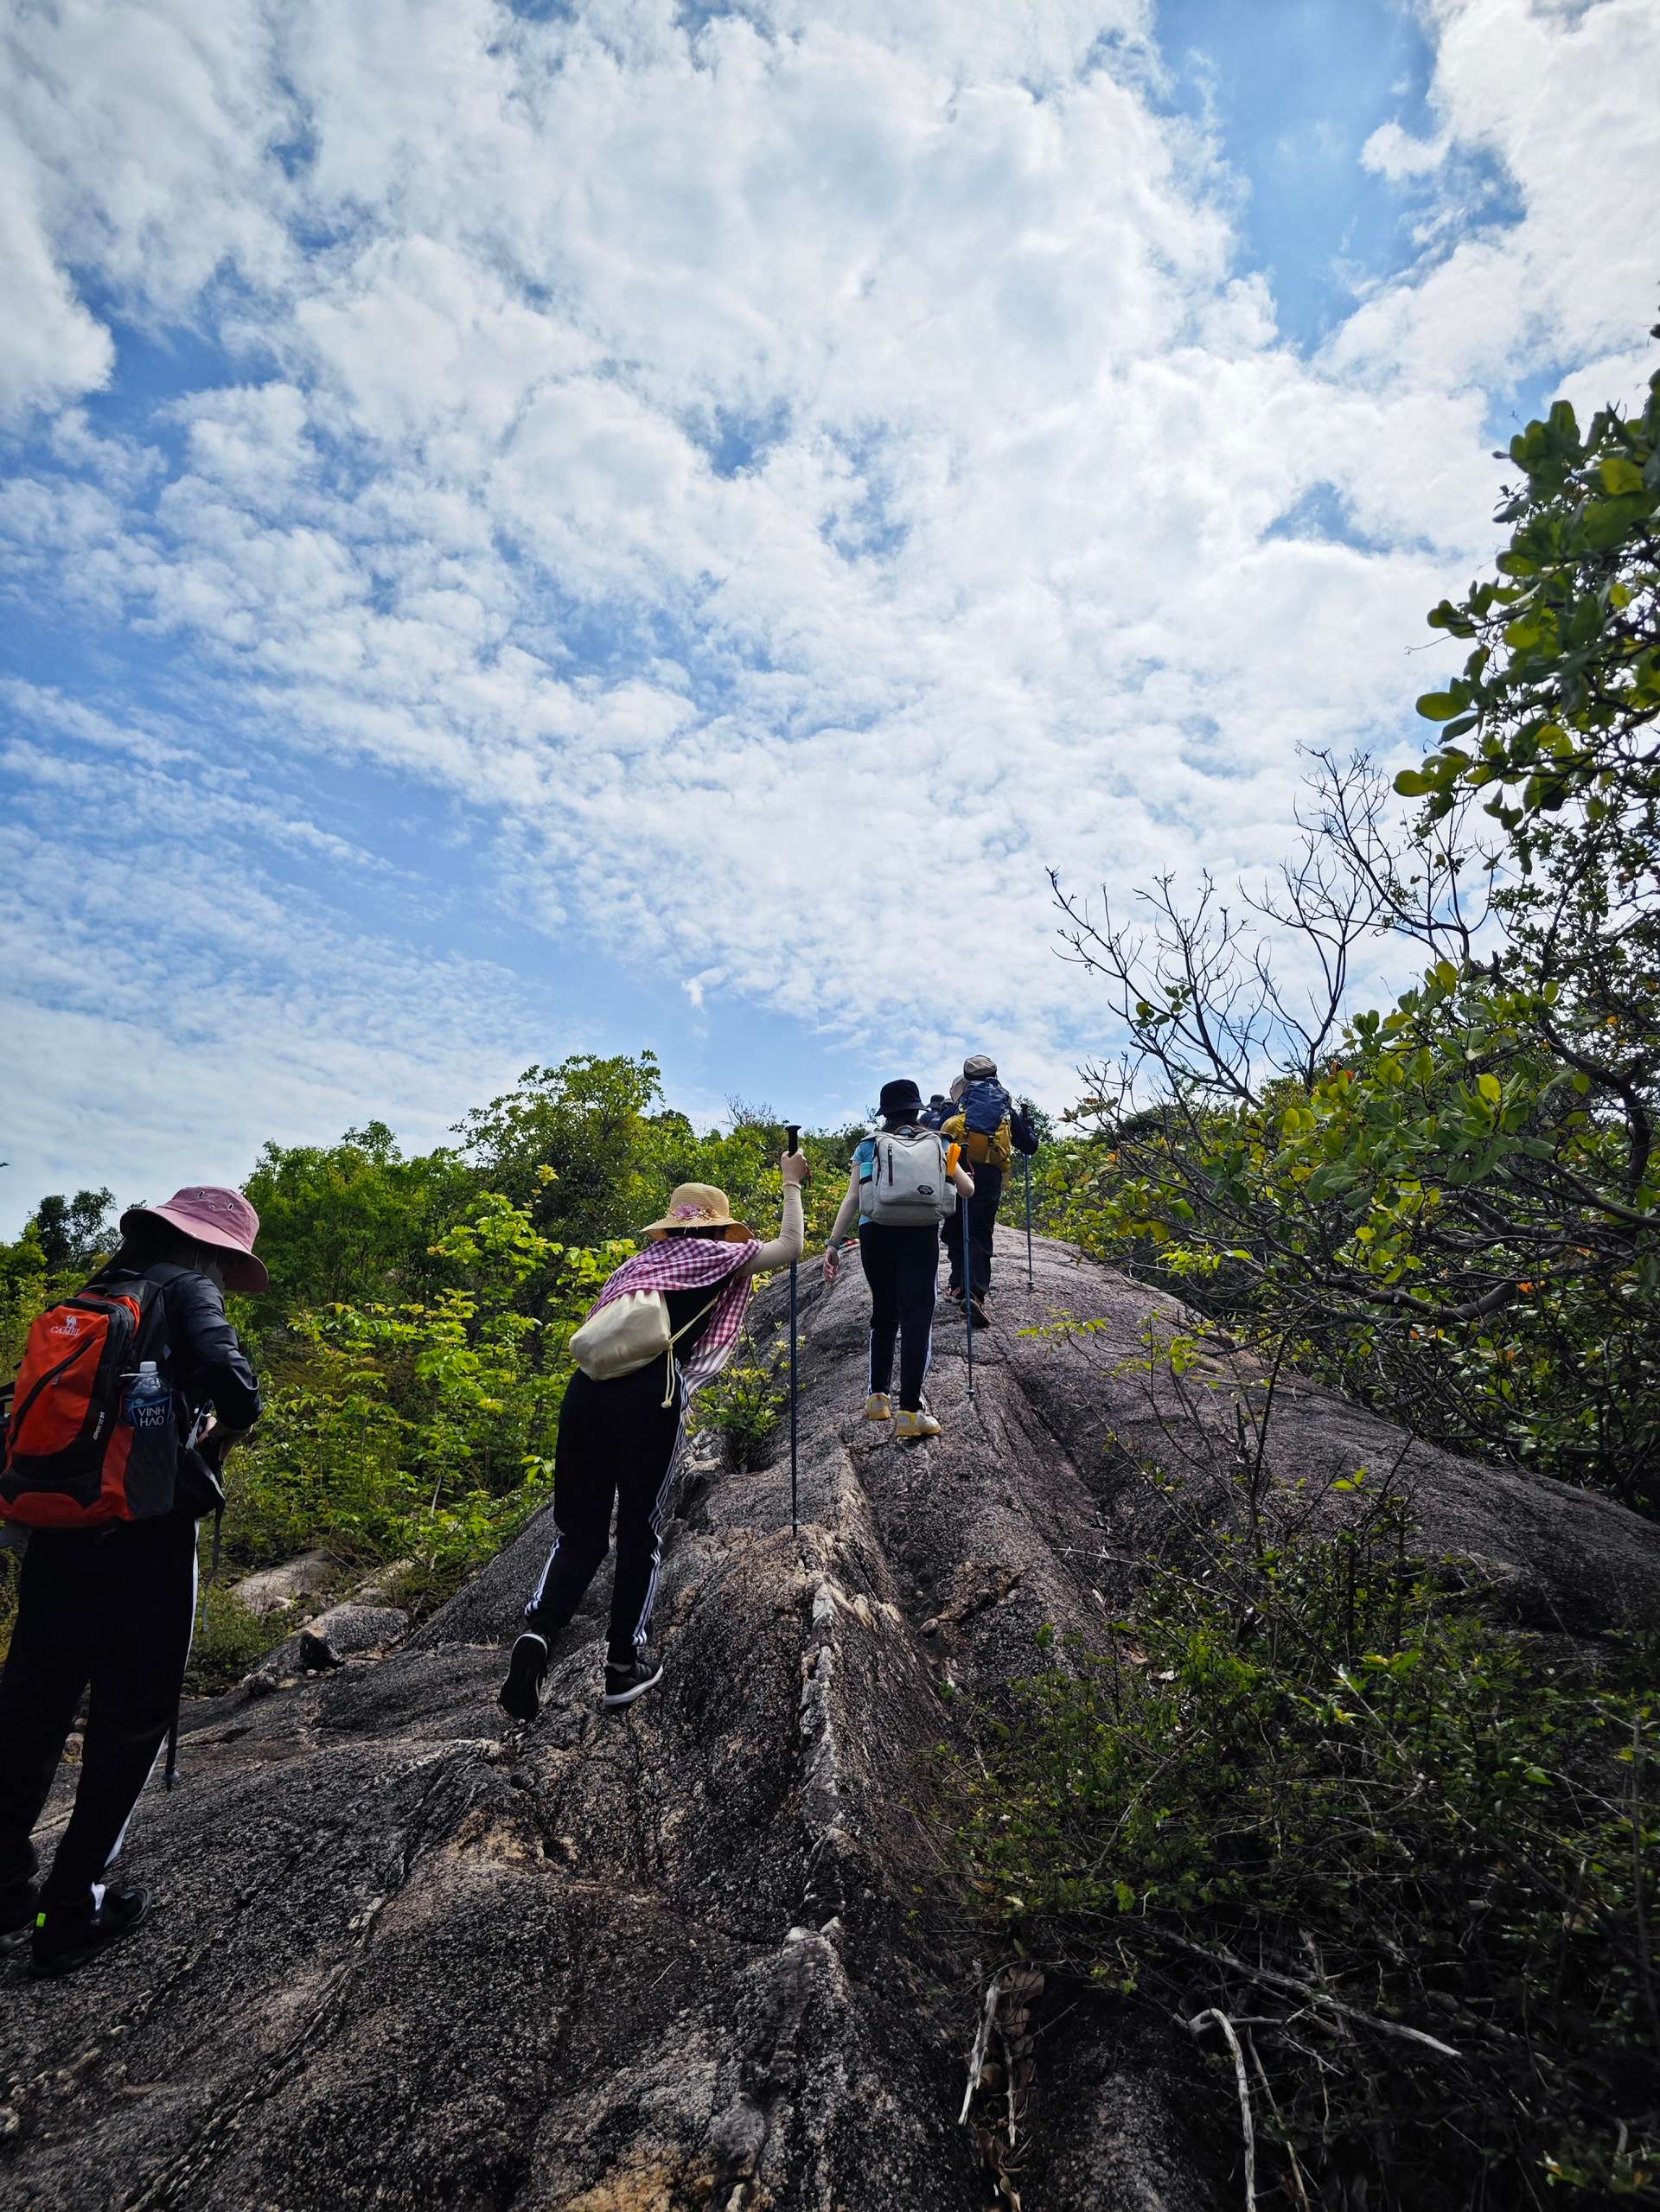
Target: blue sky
[(587, 528)]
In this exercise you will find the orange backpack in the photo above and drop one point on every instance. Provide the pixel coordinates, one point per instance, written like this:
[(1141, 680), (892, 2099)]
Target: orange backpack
[(91, 1437)]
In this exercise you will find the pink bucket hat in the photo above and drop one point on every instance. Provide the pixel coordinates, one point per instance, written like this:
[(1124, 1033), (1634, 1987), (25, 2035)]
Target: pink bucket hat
[(222, 1218)]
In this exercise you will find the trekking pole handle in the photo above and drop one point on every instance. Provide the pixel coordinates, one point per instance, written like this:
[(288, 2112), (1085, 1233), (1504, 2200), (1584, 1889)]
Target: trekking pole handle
[(793, 1131)]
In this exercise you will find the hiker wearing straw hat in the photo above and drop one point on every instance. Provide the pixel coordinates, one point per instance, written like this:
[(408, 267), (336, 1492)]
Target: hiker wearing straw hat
[(903, 1181), (664, 1324), (110, 1460)]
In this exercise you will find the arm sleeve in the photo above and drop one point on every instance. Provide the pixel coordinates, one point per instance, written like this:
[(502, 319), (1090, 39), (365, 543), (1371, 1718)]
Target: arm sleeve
[(847, 1213), (787, 1245), (207, 1354)]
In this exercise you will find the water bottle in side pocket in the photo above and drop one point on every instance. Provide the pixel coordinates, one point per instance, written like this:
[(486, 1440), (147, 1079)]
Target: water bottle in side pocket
[(146, 1403)]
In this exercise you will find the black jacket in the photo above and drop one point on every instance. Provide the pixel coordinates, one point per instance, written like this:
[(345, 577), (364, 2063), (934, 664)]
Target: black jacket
[(203, 1360)]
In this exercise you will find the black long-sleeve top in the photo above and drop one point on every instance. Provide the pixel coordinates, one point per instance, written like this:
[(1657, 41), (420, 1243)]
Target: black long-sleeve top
[(202, 1360)]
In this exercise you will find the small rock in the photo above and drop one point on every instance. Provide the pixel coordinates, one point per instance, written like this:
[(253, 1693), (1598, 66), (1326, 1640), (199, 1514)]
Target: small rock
[(337, 1635), (345, 1629), (274, 1588)]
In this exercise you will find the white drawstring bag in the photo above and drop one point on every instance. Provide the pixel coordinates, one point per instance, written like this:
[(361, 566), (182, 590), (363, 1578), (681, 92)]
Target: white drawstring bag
[(628, 1333)]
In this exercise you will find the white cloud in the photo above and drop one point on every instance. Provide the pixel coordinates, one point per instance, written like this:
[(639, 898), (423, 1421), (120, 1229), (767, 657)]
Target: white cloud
[(50, 347), (1561, 98), (783, 481), (1393, 153)]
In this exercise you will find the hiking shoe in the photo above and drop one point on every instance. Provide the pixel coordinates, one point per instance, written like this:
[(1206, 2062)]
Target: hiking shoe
[(17, 1918), (877, 1406), (915, 1426), (520, 1695), (977, 1312), (633, 1677), (66, 1936)]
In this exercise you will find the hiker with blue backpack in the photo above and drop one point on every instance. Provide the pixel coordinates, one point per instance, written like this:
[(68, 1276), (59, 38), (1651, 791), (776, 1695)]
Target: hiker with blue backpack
[(904, 1181), (109, 1460), (990, 1129), (664, 1324)]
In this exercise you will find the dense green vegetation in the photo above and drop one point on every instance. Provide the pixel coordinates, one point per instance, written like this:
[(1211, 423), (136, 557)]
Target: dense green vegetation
[(1409, 1856), (411, 1343)]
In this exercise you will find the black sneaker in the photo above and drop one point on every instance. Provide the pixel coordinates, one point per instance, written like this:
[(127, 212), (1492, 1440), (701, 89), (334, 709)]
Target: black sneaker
[(66, 1936), (520, 1695), (633, 1677), (980, 1316), (17, 1918)]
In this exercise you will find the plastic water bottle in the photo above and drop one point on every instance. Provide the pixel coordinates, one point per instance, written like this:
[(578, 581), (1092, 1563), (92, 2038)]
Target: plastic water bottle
[(148, 1402)]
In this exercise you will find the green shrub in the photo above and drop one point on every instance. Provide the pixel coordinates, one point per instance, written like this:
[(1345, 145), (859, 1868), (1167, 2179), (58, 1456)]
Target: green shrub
[(743, 1405), (230, 1641), (1297, 1782)]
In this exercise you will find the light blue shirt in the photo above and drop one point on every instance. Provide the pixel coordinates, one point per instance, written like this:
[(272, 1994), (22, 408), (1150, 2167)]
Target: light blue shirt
[(865, 1161)]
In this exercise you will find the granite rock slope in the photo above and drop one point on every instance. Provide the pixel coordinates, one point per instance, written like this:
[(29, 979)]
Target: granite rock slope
[(696, 1953)]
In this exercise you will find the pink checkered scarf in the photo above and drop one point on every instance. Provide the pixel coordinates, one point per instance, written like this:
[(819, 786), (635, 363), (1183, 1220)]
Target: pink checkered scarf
[(692, 1263)]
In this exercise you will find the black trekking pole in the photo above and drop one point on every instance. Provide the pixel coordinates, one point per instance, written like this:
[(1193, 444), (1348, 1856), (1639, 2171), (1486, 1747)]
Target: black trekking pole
[(1027, 1157), (968, 1291), (795, 1145)]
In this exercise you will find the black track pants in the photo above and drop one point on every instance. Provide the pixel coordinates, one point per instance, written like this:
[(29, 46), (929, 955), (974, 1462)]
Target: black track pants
[(901, 1267), (112, 1612), (982, 1219), (617, 1442)]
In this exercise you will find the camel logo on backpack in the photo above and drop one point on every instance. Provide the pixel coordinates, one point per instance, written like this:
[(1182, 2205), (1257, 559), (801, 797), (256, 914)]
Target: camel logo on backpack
[(908, 1184), (91, 1436)]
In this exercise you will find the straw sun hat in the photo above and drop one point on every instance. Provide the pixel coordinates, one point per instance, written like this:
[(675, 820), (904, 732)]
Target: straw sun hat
[(698, 1206)]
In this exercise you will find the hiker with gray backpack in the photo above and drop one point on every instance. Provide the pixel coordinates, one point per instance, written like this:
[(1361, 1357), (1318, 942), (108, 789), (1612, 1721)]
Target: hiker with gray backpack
[(905, 1180)]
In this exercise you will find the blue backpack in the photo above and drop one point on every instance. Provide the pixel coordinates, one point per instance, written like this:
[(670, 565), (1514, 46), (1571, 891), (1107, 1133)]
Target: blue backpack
[(985, 1107)]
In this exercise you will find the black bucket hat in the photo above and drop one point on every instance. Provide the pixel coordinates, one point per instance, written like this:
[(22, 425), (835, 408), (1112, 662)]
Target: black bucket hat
[(900, 1097)]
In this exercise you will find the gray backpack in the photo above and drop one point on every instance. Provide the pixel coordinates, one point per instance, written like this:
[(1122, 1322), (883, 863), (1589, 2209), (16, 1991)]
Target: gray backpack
[(908, 1187)]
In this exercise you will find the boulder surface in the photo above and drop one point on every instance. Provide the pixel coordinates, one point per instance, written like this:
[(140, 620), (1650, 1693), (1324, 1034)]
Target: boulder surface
[(702, 1953)]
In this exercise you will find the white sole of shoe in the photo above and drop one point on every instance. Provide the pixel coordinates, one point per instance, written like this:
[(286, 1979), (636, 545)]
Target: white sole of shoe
[(612, 1698)]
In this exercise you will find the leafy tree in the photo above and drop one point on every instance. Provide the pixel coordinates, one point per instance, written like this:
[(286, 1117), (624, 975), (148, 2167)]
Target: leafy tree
[(586, 1120), (351, 1220), (1449, 1204), (73, 1232), (22, 1294)]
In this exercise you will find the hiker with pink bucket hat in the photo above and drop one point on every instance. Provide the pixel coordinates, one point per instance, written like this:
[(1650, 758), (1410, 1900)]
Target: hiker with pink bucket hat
[(131, 1393)]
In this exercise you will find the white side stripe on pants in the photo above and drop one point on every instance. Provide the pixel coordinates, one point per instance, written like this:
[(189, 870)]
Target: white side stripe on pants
[(657, 1512)]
